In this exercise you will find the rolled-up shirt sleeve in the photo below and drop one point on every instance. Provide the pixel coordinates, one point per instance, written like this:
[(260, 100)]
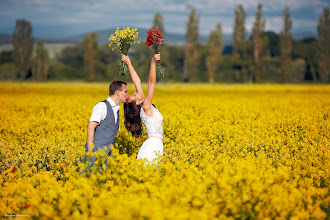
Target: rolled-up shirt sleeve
[(99, 112)]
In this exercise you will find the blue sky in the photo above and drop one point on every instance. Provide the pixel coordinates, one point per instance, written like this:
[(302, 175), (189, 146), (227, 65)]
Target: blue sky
[(61, 18)]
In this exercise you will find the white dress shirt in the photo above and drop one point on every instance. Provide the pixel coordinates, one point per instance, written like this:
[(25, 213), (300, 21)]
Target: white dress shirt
[(100, 111)]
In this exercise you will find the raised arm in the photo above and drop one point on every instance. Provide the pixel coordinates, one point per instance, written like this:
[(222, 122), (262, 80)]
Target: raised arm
[(151, 86), (134, 76)]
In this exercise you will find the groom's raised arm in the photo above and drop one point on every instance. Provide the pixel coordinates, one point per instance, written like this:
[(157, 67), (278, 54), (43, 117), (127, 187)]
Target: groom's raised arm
[(90, 134)]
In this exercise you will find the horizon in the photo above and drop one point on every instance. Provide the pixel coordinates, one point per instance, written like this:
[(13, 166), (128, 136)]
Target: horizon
[(203, 37)]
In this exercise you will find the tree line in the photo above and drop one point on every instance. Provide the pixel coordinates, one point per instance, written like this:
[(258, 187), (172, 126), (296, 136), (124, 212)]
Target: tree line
[(262, 57)]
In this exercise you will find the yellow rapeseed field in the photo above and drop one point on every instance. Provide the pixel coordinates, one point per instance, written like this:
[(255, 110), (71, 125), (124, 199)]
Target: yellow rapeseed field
[(230, 152)]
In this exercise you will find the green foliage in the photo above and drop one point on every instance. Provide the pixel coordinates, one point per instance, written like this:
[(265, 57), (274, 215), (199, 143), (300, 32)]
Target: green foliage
[(61, 71), (323, 45), (239, 32), (215, 46), (271, 71), (23, 46), (259, 42), (192, 49), (6, 57), (174, 63), (173, 60), (286, 45), (73, 56), (273, 45), (8, 71), (306, 49), (40, 63), (298, 70), (90, 54), (106, 55), (158, 23)]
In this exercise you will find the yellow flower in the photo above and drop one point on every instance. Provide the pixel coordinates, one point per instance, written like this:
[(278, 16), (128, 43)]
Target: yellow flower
[(236, 156)]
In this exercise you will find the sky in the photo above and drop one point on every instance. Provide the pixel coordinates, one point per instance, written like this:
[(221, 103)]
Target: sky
[(56, 19)]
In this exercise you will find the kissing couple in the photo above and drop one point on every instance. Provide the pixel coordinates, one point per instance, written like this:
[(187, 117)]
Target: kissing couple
[(104, 122)]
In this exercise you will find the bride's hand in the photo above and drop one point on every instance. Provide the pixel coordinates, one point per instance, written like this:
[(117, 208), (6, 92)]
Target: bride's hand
[(156, 57), (125, 59)]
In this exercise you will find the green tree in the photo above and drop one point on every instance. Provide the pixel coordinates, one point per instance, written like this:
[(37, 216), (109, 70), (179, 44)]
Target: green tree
[(239, 43), (23, 46), (73, 56), (192, 46), (215, 46), (286, 45), (323, 45), (158, 23), (90, 51), (6, 56), (175, 61), (40, 63), (273, 44), (258, 43), (307, 50)]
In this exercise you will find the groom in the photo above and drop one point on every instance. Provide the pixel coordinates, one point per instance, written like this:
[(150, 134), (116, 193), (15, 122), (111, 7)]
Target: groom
[(104, 122)]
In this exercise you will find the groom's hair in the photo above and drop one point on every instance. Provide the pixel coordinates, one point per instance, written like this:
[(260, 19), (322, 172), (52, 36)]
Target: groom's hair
[(115, 85)]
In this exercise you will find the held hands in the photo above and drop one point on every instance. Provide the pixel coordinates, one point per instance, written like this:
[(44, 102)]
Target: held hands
[(156, 57)]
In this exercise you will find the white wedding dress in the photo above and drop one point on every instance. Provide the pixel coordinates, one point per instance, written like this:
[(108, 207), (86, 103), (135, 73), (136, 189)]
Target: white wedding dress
[(153, 146)]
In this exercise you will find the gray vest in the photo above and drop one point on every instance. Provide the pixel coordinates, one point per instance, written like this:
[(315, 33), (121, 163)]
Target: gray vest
[(106, 132)]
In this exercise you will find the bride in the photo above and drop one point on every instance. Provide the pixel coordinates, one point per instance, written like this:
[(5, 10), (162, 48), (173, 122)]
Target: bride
[(139, 109)]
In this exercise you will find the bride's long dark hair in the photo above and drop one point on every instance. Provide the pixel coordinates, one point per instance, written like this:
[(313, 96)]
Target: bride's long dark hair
[(132, 119)]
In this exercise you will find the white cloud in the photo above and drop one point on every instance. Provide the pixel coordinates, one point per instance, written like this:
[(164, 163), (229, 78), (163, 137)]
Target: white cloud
[(306, 23), (112, 13), (69, 20), (174, 8), (274, 24)]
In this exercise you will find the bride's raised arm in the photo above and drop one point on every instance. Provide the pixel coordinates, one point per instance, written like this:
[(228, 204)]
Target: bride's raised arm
[(134, 76), (151, 86)]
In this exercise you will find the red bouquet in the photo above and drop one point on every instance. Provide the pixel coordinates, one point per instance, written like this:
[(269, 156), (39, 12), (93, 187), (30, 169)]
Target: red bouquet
[(154, 40)]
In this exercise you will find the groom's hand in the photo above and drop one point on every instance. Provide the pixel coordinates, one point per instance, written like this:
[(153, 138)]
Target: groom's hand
[(90, 135), (90, 147)]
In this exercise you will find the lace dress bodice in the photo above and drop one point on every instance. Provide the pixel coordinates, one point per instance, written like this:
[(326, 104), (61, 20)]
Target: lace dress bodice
[(153, 124)]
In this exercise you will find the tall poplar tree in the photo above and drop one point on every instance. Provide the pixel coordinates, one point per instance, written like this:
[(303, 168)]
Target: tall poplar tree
[(40, 63), (239, 44), (192, 45), (323, 45), (90, 49), (286, 45), (215, 46), (258, 43), (23, 47), (158, 23)]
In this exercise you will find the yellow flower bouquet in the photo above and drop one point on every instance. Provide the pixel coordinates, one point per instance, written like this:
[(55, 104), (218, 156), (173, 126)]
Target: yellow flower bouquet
[(123, 39)]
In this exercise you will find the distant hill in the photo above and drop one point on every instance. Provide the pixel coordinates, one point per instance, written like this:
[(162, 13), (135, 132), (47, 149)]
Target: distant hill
[(170, 38), (103, 35), (6, 39)]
